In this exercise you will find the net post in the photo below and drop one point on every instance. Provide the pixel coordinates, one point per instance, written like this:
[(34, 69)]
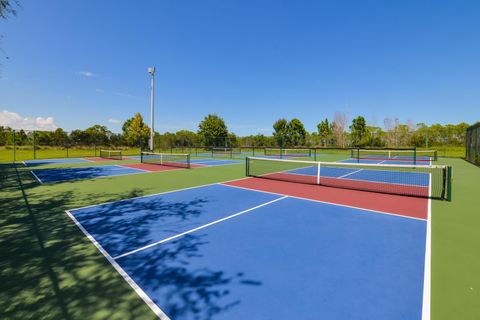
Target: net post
[(449, 183), (247, 166), (415, 155), (34, 146), (318, 173), (315, 154), (14, 146), (188, 161)]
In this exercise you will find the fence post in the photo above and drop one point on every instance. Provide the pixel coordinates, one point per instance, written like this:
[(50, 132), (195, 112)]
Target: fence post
[(14, 147), (34, 147)]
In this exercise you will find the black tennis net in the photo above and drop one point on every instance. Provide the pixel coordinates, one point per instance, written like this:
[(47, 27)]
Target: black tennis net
[(409, 180), (166, 159), (111, 154)]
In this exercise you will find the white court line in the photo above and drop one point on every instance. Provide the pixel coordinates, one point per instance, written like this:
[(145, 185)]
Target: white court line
[(36, 177), (158, 312), (198, 228), (326, 202), (123, 167), (346, 175), (428, 260)]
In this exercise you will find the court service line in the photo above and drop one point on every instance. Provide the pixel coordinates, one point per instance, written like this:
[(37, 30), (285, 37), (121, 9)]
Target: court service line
[(122, 166), (198, 228), (346, 175), (36, 177), (158, 312)]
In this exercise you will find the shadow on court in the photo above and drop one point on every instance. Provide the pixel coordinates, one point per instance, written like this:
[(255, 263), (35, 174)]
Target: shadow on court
[(49, 269)]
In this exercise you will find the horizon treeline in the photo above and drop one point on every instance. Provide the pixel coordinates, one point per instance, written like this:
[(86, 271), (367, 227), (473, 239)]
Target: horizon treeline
[(213, 131)]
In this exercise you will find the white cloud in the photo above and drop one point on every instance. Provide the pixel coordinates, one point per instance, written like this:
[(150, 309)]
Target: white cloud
[(16, 121), (87, 74), (115, 121), (99, 90)]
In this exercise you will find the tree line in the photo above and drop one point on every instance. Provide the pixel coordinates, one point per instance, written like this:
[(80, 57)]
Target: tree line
[(213, 131)]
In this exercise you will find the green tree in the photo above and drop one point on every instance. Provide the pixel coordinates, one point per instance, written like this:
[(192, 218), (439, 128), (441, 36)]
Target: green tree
[(3, 135), (97, 135), (374, 137), (186, 138), (358, 131), (213, 131), (260, 140), (21, 138), (324, 131), (233, 140), (116, 140), (79, 137), (60, 137), (136, 133), (167, 140), (43, 138), (280, 133), (296, 132)]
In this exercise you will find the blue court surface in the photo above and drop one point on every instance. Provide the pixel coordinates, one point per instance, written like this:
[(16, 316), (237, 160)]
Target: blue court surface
[(221, 252), (49, 161), (386, 161), (364, 174), (68, 174)]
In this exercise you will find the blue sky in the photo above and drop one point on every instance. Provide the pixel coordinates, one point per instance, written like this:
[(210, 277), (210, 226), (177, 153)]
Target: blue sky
[(251, 62)]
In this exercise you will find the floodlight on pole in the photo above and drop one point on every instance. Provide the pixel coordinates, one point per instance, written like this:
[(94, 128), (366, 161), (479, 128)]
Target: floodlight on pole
[(151, 71)]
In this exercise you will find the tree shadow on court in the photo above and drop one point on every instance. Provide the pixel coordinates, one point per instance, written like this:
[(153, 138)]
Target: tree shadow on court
[(49, 269), (186, 291)]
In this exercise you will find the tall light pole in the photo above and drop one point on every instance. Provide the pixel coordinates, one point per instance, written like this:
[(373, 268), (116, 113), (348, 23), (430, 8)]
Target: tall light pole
[(151, 70)]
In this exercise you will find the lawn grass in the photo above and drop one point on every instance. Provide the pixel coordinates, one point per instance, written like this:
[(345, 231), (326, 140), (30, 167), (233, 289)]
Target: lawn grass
[(456, 247), (50, 270)]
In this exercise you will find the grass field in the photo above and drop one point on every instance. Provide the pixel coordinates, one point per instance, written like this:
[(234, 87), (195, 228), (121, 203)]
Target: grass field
[(49, 268)]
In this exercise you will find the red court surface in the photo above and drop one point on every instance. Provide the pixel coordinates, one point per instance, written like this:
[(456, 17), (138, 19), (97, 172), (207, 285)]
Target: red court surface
[(401, 205)]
